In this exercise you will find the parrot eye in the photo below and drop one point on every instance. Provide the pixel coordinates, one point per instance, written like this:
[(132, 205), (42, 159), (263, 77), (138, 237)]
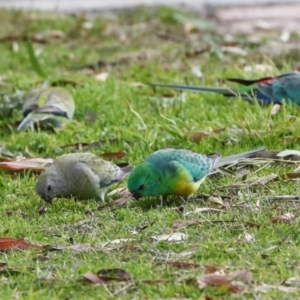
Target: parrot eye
[(49, 188), (142, 186)]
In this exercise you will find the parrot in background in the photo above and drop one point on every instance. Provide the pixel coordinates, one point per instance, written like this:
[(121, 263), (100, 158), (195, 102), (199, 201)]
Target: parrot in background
[(47, 107), (267, 90), (176, 172), (79, 175)]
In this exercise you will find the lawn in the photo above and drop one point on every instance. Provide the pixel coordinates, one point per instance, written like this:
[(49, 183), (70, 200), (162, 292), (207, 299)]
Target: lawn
[(103, 59)]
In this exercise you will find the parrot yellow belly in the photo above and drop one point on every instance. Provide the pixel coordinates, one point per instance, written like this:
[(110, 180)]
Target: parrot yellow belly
[(184, 187)]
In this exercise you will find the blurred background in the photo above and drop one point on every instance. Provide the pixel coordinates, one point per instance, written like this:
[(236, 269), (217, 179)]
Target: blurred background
[(71, 5)]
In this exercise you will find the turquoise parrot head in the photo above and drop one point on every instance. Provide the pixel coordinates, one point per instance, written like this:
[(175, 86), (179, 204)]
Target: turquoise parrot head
[(143, 181)]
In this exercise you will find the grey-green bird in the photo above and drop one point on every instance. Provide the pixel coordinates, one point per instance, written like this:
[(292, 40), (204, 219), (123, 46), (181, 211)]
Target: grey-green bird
[(47, 107), (79, 175)]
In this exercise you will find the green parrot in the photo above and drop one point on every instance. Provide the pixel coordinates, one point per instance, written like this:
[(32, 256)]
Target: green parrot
[(176, 172), (267, 90), (79, 175), (47, 107)]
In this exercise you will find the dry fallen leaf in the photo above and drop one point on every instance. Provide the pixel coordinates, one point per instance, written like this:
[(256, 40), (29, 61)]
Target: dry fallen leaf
[(25, 164), (106, 276), (92, 278), (220, 279), (216, 202), (118, 202), (113, 155), (286, 218), (173, 237), (197, 136), (7, 243)]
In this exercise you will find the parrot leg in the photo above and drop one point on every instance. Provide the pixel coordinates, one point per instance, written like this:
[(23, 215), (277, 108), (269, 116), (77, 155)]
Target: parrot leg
[(163, 198), (101, 197)]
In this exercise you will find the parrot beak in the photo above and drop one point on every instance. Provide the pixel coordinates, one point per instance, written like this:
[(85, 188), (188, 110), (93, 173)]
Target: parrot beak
[(46, 198), (136, 195)]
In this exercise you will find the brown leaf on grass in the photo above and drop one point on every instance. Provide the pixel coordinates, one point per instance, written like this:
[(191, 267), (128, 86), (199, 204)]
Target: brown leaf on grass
[(118, 202), (180, 264), (291, 176), (218, 279), (26, 164), (286, 218), (216, 202), (197, 136), (4, 159), (113, 155), (7, 243), (211, 269), (182, 223), (92, 278), (102, 276)]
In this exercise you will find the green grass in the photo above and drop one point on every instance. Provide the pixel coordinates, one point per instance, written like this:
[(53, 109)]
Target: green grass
[(143, 120)]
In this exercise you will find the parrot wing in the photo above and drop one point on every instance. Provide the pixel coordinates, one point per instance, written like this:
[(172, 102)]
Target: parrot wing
[(42, 120), (284, 87), (108, 172), (196, 164), (47, 107), (50, 100), (275, 89)]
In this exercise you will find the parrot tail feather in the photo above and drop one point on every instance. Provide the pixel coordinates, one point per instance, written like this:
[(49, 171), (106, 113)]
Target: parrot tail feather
[(127, 170), (215, 158), (227, 92), (233, 158)]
